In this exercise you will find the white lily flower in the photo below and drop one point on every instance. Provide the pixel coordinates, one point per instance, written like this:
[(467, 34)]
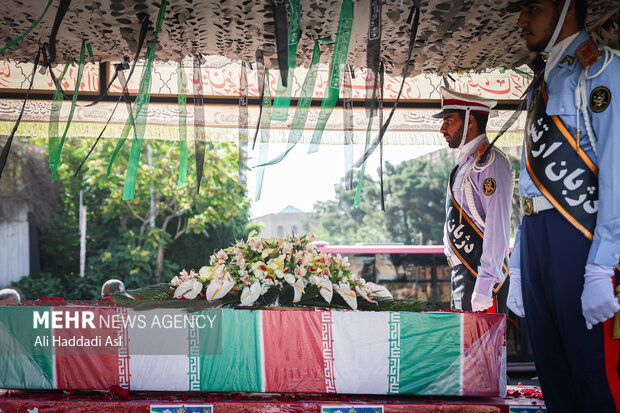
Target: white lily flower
[(325, 287), (348, 295), (377, 291), (250, 294), (219, 288), (188, 289), (206, 273), (298, 288), (175, 281), (362, 293), (289, 278)]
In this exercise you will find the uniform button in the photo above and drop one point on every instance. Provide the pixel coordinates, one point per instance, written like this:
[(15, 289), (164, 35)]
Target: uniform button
[(562, 110)]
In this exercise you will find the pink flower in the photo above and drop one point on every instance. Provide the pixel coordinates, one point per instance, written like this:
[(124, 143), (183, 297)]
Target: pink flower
[(221, 257), (299, 256), (255, 244), (300, 271)]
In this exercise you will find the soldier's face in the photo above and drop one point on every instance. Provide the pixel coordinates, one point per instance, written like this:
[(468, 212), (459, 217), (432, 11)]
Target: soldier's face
[(537, 22), (452, 129)]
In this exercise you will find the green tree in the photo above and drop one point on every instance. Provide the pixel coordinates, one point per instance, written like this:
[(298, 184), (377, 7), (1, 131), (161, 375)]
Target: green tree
[(145, 240), (414, 206), (415, 196)]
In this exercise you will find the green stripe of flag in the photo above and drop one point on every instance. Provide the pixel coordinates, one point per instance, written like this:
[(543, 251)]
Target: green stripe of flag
[(25, 362), (238, 367), (430, 360)]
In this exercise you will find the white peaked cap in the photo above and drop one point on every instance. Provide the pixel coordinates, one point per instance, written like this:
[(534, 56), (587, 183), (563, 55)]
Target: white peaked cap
[(451, 100)]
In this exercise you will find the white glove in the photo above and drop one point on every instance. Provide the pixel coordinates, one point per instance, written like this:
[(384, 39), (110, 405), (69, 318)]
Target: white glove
[(515, 295), (598, 301), (482, 298)]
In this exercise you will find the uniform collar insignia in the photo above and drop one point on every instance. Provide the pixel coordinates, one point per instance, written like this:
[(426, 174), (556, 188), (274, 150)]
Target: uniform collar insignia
[(481, 148), (569, 59), (587, 53)]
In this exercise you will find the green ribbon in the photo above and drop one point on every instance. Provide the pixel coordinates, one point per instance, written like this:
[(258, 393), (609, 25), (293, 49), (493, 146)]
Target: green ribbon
[(360, 183), (182, 100), (282, 101), (264, 138), (78, 82), (52, 130), (8, 46), (339, 58), (303, 106), (141, 105)]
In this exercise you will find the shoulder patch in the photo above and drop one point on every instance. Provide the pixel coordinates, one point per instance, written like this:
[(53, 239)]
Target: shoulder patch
[(568, 59), (600, 98), (587, 53), (488, 186)]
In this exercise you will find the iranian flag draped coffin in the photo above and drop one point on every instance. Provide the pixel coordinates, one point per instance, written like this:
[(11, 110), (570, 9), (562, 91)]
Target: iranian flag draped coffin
[(428, 353)]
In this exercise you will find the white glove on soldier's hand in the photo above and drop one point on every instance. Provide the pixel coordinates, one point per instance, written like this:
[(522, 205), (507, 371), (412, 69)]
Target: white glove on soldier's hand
[(515, 295), (598, 301), (482, 298)]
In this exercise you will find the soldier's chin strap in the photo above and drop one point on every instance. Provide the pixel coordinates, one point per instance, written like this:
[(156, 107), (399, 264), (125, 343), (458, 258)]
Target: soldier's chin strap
[(465, 125), (558, 28)]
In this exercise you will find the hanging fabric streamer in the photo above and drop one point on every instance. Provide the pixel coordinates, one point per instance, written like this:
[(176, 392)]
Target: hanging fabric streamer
[(373, 54), (118, 71), (52, 128), (140, 97), (381, 83), (78, 82), (260, 76), (4, 155), (182, 101), (339, 58), (282, 101), (303, 105), (278, 8), (347, 115), (143, 31), (199, 121), (360, 182), (243, 125), (412, 37), (63, 6), (127, 98), (141, 105), (11, 44), (141, 108), (264, 139)]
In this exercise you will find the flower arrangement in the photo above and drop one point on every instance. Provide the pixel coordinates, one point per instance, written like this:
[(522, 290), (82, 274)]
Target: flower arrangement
[(260, 269)]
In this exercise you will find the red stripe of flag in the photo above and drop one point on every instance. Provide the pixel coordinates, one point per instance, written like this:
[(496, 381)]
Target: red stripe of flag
[(293, 352)]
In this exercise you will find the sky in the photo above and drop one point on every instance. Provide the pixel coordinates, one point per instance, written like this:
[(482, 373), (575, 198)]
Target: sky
[(301, 179)]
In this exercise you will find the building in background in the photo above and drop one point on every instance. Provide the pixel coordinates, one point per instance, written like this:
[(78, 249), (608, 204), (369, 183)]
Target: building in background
[(289, 220)]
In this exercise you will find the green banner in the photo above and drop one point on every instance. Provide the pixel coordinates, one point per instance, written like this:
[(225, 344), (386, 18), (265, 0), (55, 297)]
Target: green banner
[(303, 107), (182, 100), (339, 59), (282, 100), (78, 82)]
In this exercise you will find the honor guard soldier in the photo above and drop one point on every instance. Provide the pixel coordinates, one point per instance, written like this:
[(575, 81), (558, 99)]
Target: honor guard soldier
[(477, 229), (568, 241)]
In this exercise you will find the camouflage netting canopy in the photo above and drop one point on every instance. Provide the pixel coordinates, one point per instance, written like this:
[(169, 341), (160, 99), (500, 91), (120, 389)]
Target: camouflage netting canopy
[(453, 35)]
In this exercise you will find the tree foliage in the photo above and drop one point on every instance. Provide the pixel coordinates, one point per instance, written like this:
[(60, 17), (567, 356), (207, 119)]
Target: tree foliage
[(415, 196), (145, 240)]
